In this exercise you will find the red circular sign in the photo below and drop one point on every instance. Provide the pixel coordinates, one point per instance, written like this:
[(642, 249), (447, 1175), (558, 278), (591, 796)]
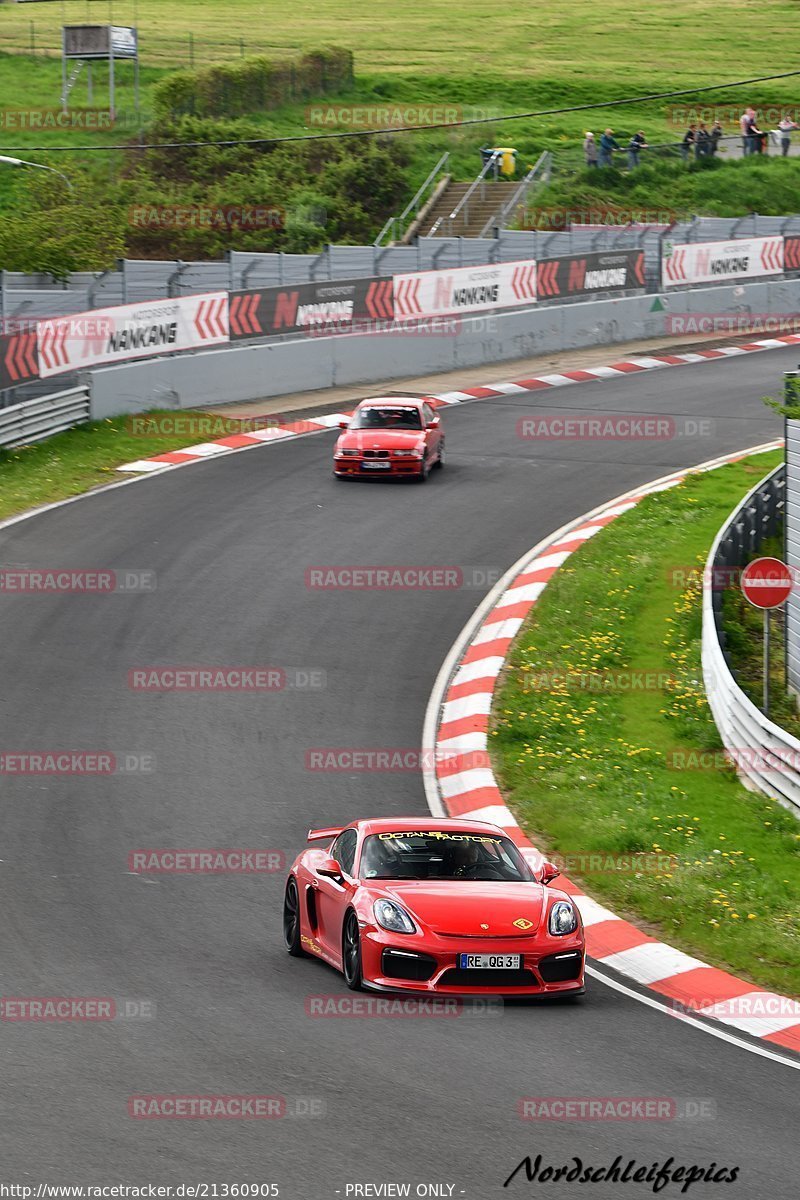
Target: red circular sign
[(766, 582)]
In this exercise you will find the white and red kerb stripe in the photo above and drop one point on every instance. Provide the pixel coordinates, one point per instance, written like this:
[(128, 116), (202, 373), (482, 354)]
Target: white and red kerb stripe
[(318, 424), (469, 790)]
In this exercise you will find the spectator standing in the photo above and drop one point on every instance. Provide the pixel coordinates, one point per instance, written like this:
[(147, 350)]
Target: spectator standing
[(743, 120), (785, 127), (716, 137), (608, 144), (702, 142), (590, 150), (754, 134), (689, 139), (637, 143)]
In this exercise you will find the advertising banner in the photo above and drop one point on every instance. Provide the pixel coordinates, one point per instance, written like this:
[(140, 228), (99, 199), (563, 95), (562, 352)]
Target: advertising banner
[(587, 274), (465, 289), (110, 335), (719, 262), (310, 306)]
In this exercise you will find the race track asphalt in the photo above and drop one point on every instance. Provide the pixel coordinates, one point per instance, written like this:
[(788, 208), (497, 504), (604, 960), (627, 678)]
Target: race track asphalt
[(406, 1100)]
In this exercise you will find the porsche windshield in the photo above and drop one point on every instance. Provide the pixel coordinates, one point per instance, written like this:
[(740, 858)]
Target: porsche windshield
[(387, 418), (438, 855)]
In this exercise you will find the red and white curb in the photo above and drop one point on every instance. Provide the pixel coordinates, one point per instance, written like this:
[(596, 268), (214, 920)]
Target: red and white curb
[(459, 782), (319, 424)]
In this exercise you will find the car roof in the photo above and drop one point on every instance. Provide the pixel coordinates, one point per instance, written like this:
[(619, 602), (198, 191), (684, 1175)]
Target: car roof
[(423, 824)]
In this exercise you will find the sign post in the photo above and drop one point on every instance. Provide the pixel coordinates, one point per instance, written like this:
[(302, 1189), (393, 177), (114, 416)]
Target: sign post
[(766, 584)]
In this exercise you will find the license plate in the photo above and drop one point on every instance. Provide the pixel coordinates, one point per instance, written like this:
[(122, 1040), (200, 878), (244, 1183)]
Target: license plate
[(493, 962), (376, 466)]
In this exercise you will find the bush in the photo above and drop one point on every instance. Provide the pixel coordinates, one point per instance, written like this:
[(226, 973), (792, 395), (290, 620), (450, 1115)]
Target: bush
[(233, 89)]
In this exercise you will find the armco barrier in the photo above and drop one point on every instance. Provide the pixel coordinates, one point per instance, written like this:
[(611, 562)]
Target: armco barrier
[(35, 420), (763, 753), (256, 371)]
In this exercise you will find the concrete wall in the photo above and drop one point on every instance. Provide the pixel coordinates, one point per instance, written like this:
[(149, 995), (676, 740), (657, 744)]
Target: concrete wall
[(256, 371)]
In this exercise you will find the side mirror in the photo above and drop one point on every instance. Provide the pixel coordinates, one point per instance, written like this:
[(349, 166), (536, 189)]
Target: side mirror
[(330, 869), (434, 424), (547, 873), (344, 424)]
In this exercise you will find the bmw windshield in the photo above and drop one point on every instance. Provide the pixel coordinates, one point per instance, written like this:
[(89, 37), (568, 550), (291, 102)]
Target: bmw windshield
[(387, 418)]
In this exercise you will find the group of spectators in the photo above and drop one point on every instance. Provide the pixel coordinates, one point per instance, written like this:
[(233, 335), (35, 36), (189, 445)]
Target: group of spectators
[(698, 140), (601, 154)]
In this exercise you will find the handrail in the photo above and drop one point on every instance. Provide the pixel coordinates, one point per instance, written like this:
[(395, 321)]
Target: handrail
[(491, 163), (397, 222), (499, 219)]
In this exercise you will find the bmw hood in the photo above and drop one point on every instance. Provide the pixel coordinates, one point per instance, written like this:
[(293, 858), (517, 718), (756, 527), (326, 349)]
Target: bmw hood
[(473, 909)]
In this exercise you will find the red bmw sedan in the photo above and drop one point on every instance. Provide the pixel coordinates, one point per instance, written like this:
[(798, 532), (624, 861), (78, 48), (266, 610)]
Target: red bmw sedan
[(389, 437)]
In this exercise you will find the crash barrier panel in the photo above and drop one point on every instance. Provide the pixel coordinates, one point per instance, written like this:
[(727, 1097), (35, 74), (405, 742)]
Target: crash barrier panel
[(258, 369), (766, 755), (35, 420), (199, 320), (711, 262)]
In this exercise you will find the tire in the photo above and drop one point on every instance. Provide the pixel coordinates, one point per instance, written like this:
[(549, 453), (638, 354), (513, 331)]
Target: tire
[(351, 952), (291, 921), (424, 472), (440, 460)]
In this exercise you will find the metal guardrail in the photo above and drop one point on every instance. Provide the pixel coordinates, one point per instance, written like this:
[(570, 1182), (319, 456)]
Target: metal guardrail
[(399, 224), (763, 753), (35, 420), (541, 169), (478, 182)]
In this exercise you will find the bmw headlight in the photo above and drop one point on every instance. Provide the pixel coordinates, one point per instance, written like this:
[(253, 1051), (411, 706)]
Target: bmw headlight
[(349, 453), (392, 917), (563, 918), (407, 453)]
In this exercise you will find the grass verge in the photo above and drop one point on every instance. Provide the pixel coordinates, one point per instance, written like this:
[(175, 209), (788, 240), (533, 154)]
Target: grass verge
[(87, 457), (604, 743)]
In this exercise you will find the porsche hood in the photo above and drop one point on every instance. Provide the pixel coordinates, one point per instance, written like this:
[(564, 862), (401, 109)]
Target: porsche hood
[(473, 909)]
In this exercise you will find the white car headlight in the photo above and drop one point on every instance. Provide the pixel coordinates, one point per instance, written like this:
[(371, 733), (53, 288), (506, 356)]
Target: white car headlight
[(349, 453), (392, 917), (407, 453), (563, 918)]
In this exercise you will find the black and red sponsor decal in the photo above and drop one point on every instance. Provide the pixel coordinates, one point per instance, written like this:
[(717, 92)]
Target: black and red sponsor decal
[(791, 253), (587, 274), (296, 308), (19, 360)]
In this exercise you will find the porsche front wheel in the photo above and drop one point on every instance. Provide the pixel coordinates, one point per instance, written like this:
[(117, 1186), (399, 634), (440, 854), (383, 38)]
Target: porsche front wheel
[(351, 952), (291, 920)]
